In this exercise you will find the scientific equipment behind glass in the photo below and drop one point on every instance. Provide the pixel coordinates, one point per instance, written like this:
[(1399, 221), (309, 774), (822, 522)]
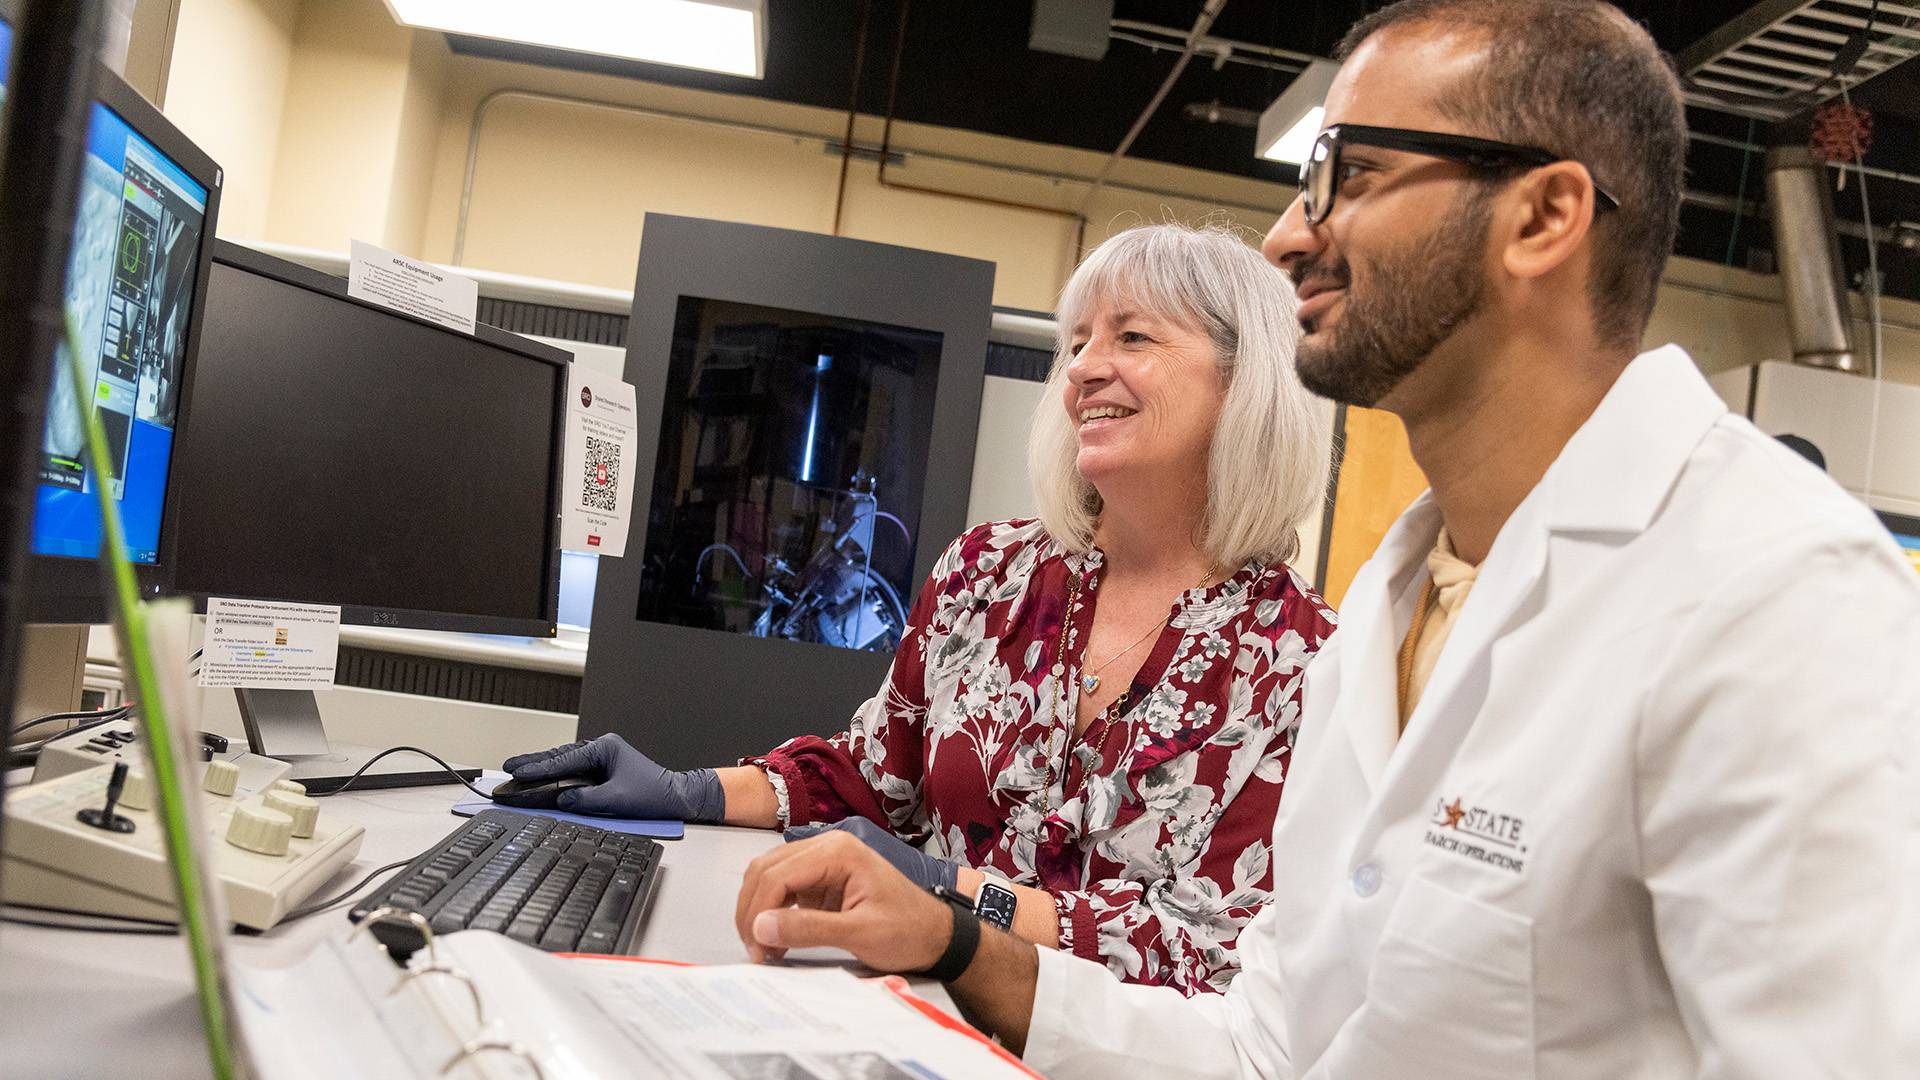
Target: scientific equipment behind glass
[(337, 452), (780, 470), (806, 407), (836, 597)]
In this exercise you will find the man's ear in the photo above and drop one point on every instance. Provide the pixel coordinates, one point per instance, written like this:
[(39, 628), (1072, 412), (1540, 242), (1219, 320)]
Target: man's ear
[(1548, 214)]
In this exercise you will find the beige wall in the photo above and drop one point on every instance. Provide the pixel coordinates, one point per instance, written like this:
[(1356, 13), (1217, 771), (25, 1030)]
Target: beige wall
[(227, 89), (1730, 318), (560, 187)]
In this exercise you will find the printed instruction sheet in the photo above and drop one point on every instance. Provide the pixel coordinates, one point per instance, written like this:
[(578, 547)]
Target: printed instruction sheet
[(262, 644), (412, 287), (597, 485)]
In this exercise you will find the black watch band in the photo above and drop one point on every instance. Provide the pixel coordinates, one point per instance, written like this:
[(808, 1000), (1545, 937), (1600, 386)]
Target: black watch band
[(963, 943)]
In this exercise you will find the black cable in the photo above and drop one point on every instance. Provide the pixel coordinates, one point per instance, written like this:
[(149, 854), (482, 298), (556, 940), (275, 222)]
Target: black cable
[(346, 896), (115, 713), (436, 758), (21, 756), (106, 924)]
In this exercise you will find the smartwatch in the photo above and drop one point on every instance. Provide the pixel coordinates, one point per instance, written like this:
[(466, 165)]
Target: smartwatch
[(995, 904)]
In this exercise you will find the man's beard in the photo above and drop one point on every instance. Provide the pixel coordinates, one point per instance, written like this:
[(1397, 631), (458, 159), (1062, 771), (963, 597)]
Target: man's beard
[(1409, 307)]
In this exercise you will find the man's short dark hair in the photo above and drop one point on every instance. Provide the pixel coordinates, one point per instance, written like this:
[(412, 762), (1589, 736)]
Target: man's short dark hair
[(1576, 77)]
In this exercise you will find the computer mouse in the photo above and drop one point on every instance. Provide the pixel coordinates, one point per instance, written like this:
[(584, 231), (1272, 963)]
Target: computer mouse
[(537, 794)]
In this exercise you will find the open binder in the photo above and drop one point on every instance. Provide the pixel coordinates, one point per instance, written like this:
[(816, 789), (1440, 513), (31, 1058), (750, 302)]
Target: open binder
[(479, 1006)]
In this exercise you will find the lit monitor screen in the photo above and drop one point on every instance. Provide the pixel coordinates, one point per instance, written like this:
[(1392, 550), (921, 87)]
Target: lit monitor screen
[(579, 573), (791, 470), (1906, 531), (130, 284), (6, 58)]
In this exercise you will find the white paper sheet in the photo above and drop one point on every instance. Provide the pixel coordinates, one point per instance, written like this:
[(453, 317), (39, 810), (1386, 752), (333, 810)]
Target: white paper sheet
[(259, 643), (597, 496), (344, 1012), (412, 287)]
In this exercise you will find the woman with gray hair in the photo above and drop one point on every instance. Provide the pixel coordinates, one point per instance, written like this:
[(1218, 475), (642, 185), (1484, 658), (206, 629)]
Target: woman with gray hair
[(1087, 725)]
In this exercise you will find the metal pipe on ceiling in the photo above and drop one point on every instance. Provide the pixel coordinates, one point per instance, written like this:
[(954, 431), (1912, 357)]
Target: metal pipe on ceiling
[(1225, 54), (1201, 24), (1812, 277), (1175, 36), (886, 146), (1837, 166), (853, 110)]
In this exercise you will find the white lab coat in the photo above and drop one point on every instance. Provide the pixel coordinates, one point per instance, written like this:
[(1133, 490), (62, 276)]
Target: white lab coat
[(1656, 814)]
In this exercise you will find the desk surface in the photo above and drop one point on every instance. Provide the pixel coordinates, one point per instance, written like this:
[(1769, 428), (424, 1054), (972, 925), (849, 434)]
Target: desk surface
[(76, 1004)]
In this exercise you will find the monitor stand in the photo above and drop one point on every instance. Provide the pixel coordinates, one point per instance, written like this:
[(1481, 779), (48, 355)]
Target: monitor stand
[(285, 724)]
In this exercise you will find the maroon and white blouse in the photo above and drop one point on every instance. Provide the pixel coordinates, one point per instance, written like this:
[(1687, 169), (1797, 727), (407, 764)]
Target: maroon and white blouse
[(1155, 846)]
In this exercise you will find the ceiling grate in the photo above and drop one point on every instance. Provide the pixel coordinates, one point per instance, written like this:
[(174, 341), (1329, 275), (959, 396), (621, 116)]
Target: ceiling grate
[(1777, 59)]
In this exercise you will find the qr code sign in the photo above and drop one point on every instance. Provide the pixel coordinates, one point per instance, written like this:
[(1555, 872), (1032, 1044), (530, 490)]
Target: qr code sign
[(603, 475)]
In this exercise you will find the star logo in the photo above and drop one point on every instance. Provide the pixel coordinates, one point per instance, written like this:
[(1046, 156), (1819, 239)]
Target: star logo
[(1453, 814)]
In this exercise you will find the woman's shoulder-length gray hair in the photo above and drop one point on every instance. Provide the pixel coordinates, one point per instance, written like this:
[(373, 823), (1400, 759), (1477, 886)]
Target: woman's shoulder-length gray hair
[(1270, 452)]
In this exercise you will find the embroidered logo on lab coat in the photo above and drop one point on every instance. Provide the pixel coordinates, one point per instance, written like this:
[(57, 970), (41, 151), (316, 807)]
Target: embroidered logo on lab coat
[(1478, 833)]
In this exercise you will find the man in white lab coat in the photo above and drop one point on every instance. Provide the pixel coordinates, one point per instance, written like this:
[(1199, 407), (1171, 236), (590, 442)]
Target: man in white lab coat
[(1610, 770)]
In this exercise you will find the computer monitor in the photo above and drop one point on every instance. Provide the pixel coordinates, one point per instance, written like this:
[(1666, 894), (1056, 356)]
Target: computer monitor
[(1906, 531), (338, 452), (807, 410), (7, 15), (136, 287)]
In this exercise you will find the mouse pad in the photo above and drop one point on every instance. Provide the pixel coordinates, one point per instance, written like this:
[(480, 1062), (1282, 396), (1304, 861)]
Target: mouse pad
[(659, 830)]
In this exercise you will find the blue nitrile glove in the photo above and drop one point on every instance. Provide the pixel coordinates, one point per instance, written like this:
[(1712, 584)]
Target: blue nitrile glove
[(627, 783), (921, 868)]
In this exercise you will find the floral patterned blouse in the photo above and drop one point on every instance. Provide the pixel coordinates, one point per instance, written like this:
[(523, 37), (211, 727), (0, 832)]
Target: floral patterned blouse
[(1156, 855)]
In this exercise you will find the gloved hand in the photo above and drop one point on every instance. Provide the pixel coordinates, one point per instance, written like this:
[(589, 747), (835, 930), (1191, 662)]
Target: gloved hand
[(627, 783), (921, 868)]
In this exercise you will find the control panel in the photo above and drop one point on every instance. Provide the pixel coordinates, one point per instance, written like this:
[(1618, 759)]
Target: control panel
[(119, 740), (89, 841)]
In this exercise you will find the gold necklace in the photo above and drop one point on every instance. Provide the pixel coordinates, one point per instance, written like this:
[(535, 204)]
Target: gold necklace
[(1090, 679), (1112, 712)]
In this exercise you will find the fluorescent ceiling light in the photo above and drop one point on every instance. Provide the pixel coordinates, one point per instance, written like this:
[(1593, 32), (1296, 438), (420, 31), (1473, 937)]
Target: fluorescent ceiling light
[(1292, 122), (1296, 142), (728, 36)]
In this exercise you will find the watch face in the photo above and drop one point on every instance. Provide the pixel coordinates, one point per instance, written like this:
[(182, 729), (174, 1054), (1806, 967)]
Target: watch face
[(996, 904)]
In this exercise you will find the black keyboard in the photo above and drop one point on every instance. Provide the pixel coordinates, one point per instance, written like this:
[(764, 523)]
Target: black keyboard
[(553, 884)]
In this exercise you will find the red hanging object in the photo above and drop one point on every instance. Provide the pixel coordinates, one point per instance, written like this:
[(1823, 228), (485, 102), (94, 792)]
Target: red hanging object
[(1841, 132)]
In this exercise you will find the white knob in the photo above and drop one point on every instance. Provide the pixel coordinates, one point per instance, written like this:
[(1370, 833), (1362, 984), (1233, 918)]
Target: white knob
[(303, 810), (257, 828), (138, 792), (222, 777), (293, 787)]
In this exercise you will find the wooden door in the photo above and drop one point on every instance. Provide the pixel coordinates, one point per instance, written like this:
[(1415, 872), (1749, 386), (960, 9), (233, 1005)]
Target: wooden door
[(1375, 480)]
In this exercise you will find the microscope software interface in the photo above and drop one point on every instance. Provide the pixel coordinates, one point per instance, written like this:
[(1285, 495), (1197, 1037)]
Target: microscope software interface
[(129, 294)]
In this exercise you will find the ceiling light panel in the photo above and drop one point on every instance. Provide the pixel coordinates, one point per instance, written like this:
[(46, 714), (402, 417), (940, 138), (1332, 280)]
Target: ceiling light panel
[(1292, 122), (727, 36)]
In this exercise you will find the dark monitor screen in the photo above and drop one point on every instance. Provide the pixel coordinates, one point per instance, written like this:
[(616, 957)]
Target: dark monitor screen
[(339, 453), (791, 470), (130, 288)]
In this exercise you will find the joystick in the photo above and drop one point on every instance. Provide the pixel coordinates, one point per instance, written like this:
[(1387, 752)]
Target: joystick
[(104, 817)]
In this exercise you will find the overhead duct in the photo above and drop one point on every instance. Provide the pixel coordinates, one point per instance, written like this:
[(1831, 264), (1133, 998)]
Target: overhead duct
[(1780, 57), (1807, 248)]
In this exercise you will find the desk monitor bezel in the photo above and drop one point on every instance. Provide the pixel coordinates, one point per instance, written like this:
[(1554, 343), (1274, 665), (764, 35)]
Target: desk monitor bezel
[(250, 261), (64, 589)]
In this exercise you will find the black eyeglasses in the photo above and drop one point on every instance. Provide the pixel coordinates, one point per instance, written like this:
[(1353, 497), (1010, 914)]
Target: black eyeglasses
[(1320, 176)]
